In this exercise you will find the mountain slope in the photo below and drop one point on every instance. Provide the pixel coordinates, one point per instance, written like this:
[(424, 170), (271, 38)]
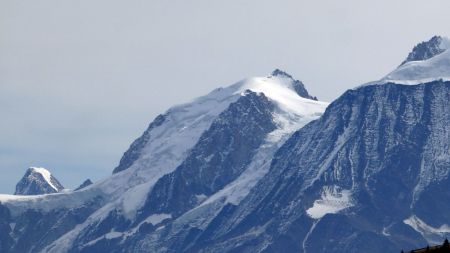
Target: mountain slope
[(38, 181), (427, 62), (232, 138), (374, 150), (428, 49), (369, 175), (265, 111)]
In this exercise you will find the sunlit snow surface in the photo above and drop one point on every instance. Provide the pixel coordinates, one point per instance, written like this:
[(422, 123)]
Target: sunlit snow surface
[(294, 112), (425, 71), (46, 175), (332, 200), (416, 72)]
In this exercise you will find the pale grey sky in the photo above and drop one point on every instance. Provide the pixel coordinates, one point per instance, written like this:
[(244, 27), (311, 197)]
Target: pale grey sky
[(81, 79)]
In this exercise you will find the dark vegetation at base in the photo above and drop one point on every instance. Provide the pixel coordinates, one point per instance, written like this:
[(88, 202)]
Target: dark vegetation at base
[(444, 248)]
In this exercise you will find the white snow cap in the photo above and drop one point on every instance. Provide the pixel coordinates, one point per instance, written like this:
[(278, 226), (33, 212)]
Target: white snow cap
[(45, 174), (429, 61), (280, 90)]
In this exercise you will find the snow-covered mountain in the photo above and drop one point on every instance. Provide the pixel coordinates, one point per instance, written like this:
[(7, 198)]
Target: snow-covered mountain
[(260, 167), (222, 142), (38, 181), (428, 61), (428, 49)]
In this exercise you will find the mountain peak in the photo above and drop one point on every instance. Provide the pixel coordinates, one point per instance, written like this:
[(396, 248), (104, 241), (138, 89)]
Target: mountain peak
[(428, 49), (38, 181), (280, 73), (428, 61), (297, 85)]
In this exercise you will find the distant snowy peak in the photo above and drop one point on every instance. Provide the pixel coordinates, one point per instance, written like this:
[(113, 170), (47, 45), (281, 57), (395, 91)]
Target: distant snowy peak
[(279, 72), (297, 85), (428, 61), (38, 181), (428, 49)]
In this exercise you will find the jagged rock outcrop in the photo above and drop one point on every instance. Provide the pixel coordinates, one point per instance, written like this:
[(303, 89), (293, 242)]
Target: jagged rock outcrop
[(428, 49)]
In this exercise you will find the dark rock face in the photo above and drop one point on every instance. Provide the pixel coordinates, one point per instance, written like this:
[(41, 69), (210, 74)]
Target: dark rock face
[(221, 154), (35, 183), (86, 183), (6, 240), (134, 151), (33, 230), (385, 144), (219, 157), (381, 143), (425, 50)]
